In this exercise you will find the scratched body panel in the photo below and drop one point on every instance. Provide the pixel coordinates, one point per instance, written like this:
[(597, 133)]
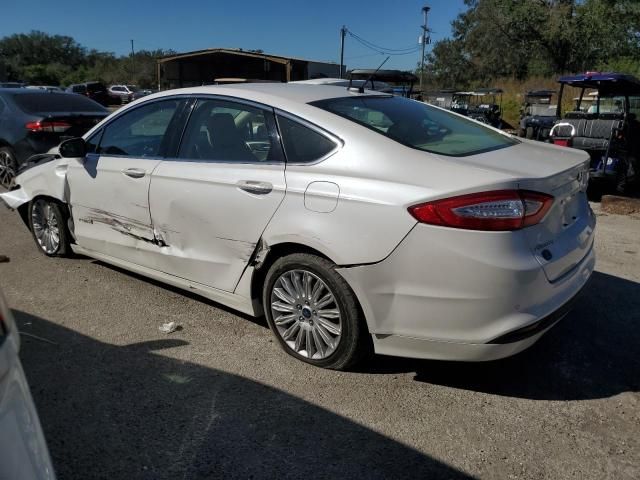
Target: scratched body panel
[(209, 226), (111, 210)]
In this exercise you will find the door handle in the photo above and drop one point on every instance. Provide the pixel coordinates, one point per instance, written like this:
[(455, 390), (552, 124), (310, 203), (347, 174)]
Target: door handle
[(134, 172), (257, 188)]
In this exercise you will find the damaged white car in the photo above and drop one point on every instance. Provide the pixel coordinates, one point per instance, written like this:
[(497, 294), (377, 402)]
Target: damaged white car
[(354, 220)]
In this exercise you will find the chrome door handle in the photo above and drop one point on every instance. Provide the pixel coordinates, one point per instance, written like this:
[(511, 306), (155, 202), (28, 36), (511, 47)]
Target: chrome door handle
[(257, 188), (134, 172)]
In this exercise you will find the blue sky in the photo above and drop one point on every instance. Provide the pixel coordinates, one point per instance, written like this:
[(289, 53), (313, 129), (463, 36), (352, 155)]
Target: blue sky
[(286, 27)]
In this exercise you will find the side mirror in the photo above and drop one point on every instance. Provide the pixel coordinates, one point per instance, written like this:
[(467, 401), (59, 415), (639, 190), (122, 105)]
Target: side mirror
[(73, 148)]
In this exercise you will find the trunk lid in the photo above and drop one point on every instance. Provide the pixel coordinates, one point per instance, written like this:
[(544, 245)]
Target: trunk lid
[(565, 235)]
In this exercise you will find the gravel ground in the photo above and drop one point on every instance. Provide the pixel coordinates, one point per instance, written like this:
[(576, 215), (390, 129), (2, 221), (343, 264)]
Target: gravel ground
[(218, 399)]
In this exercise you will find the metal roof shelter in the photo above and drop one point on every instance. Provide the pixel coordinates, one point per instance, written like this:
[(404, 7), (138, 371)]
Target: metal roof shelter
[(202, 67)]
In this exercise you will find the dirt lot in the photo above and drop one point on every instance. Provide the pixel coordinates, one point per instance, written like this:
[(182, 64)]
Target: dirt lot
[(218, 399)]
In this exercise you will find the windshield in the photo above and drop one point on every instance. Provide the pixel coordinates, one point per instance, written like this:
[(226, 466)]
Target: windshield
[(41, 102), (418, 125)]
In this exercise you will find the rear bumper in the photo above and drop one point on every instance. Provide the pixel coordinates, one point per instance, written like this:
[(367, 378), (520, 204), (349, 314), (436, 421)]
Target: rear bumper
[(451, 295)]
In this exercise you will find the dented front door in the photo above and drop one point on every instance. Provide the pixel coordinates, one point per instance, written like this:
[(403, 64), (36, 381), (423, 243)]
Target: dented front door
[(109, 189), (210, 205)]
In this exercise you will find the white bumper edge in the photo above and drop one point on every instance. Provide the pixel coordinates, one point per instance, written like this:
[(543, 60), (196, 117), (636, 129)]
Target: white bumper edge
[(15, 198), (409, 347)]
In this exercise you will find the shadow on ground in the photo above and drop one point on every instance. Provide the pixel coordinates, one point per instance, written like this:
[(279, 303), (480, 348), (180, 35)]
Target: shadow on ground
[(126, 412), (592, 353)]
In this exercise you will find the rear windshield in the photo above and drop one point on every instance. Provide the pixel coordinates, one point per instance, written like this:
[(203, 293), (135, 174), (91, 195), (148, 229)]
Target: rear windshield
[(418, 125), (41, 102)]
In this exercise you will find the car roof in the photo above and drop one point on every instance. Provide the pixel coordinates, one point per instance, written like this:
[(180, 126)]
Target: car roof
[(275, 94)]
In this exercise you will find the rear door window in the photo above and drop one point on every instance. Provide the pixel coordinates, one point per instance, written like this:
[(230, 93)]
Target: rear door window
[(418, 125), (303, 144), (227, 131)]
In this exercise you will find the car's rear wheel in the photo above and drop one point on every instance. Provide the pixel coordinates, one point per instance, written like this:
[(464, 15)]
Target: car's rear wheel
[(48, 227), (8, 167), (313, 312)]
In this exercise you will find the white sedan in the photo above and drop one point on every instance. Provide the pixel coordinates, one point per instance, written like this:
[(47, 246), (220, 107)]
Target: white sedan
[(353, 221)]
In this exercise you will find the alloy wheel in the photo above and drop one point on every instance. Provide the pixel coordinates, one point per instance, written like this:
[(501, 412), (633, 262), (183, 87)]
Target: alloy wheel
[(306, 314), (45, 226), (7, 169)]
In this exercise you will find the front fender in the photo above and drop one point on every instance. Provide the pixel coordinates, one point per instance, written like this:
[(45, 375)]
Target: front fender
[(48, 179)]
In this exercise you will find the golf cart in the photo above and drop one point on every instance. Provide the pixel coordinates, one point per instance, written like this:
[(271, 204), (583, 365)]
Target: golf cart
[(402, 82), (609, 131), (481, 104), (537, 115)]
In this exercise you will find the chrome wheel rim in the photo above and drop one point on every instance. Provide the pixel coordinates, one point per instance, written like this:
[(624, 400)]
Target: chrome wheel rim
[(45, 226), (7, 171), (306, 315)]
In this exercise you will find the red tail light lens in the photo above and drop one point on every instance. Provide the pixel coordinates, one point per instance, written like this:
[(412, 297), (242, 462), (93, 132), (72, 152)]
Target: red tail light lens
[(562, 142), (499, 210), (48, 126)]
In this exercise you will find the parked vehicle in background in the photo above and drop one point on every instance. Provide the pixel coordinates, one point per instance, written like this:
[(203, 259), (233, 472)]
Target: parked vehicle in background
[(96, 91), (482, 104), (345, 82), (609, 130), (12, 85), (401, 82), (586, 103), (125, 93), (48, 88), (140, 92), (537, 115), (346, 217), (34, 121), (24, 454)]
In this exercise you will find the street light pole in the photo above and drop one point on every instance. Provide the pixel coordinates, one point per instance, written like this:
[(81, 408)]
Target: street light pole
[(424, 39), (343, 33), (133, 67)]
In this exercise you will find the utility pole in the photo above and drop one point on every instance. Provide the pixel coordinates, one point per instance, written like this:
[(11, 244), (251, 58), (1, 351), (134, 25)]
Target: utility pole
[(424, 40), (343, 33), (133, 66)]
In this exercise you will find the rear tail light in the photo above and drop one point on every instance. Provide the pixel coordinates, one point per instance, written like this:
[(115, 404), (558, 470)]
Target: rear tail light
[(48, 126), (498, 210), (562, 142)]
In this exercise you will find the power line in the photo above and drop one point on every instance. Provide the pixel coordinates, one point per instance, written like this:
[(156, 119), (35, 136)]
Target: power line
[(382, 50)]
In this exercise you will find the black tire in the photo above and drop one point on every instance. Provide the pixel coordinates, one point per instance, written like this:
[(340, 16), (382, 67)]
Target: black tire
[(59, 212), (354, 343), (521, 132), (8, 167)]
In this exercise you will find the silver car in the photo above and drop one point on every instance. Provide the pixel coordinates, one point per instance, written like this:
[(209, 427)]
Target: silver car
[(23, 450), (355, 222)]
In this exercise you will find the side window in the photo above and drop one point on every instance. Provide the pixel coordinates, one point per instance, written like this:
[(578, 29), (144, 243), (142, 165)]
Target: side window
[(93, 141), (140, 132), (301, 143), (220, 130)]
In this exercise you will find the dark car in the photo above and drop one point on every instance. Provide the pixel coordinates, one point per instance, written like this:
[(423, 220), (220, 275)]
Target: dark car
[(33, 122), (95, 91), (537, 115), (608, 130)]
